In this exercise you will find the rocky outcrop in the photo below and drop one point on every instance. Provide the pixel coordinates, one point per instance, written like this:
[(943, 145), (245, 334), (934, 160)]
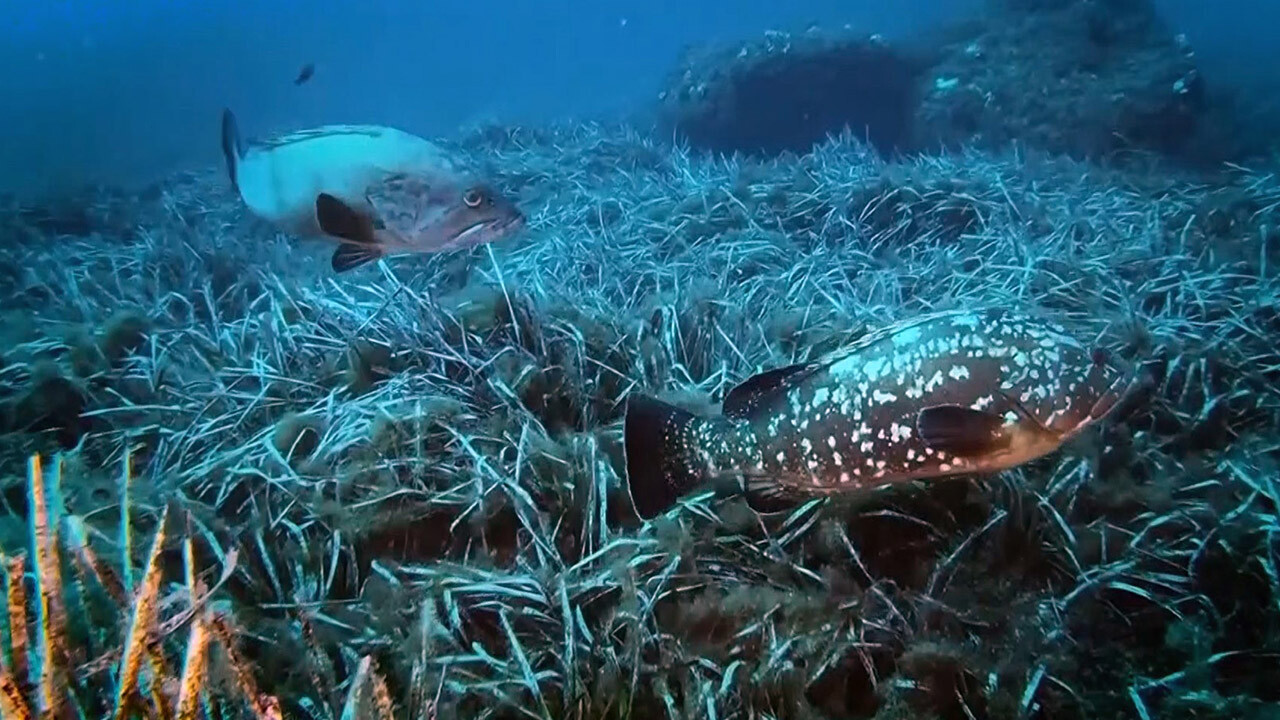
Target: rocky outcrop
[(1085, 78), (786, 92)]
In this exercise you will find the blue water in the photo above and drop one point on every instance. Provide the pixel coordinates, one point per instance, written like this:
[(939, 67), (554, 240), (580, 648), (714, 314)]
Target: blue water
[(124, 92)]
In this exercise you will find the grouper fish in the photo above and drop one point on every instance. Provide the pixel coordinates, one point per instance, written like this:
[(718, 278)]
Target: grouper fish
[(949, 393), (409, 215), (325, 182)]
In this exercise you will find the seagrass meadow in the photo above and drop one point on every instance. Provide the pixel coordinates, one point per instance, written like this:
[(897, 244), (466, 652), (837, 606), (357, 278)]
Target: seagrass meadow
[(265, 490)]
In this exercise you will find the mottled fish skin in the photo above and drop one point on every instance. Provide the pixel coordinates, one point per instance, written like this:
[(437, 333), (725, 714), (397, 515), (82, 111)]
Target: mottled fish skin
[(415, 214), (853, 419)]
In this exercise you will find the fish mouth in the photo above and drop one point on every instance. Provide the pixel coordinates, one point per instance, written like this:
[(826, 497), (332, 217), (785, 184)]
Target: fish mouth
[(489, 230)]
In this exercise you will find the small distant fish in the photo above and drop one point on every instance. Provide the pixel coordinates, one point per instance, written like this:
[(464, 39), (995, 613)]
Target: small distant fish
[(305, 73), (409, 215), (944, 394), (280, 180)]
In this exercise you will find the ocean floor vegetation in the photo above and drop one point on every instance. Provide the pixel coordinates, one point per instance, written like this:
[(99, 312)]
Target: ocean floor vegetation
[(265, 490)]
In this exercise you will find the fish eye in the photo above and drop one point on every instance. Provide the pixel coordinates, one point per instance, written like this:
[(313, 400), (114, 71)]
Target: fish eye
[(473, 198)]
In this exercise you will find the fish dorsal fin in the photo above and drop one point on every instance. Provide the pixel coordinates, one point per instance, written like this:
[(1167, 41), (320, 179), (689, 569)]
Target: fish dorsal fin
[(961, 431), (325, 131), (744, 397), (862, 339), (870, 337)]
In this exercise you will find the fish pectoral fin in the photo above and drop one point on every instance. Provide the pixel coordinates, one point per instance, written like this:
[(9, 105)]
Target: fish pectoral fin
[(767, 495), (961, 431), (739, 402), (340, 220), (349, 256)]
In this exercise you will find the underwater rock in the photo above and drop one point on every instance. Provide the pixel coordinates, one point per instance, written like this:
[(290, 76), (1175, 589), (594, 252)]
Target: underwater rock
[(368, 364), (50, 403), (1085, 79), (787, 92), (297, 436), (82, 211), (54, 219), (124, 333)]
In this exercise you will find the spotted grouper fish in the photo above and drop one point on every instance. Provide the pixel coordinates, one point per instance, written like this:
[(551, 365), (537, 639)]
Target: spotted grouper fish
[(944, 394)]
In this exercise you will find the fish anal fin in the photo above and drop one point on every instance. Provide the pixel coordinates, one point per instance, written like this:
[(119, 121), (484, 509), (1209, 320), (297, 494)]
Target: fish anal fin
[(742, 399), (961, 431)]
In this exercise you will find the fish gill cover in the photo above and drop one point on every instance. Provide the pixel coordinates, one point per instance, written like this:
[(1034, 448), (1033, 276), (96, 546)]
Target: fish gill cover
[(399, 493)]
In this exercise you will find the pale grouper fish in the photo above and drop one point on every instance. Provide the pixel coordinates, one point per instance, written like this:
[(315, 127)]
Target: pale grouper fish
[(411, 214), (288, 179), (944, 394), (279, 178)]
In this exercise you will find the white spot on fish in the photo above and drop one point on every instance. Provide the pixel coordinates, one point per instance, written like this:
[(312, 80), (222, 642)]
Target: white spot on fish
[(847, 368), (876, 368), (883, 397), (907, 337), (934, 382)]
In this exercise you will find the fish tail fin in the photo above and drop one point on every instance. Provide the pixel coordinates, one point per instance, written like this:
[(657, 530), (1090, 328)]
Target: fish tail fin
[(661, 452), (232, 145), (340, 220)]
